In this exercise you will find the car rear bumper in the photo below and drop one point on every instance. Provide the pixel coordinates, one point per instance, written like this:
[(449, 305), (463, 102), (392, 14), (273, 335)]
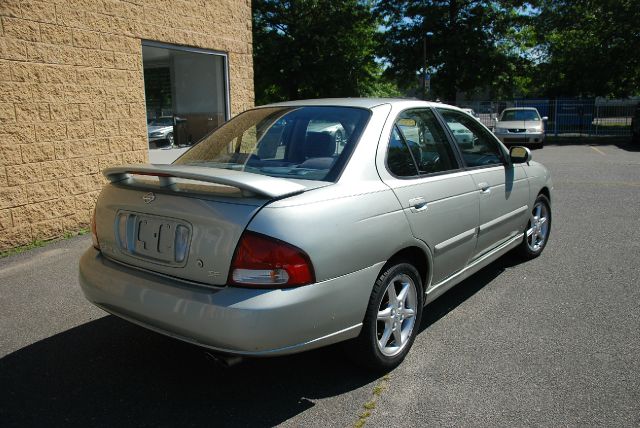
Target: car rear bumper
[(232, 320)]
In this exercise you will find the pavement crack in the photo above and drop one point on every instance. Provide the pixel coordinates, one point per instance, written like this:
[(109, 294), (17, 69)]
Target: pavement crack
[(370, 405)]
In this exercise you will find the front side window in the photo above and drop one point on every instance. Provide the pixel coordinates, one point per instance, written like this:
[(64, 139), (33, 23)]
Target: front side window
[(310, 143), (477, 145), (418, 138)]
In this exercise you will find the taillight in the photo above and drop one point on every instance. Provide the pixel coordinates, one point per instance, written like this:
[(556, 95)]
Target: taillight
[(262, 261), (94, 234)]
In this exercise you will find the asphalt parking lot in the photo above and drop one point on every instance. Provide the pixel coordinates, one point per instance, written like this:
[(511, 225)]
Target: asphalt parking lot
[(551, 342)]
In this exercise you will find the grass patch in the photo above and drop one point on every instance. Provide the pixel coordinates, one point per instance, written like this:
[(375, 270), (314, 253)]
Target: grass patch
[(40, 243), (362, 420), (377, 390), (370, 405)]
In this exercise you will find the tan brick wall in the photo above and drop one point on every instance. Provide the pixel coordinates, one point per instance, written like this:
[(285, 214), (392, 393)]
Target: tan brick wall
[(72, 96)]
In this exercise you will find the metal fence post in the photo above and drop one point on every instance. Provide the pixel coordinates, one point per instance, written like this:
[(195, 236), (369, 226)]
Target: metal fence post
[(555, 119), (597, 117)]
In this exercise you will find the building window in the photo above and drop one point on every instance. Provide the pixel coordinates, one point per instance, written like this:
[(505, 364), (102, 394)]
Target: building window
[(186, 94)]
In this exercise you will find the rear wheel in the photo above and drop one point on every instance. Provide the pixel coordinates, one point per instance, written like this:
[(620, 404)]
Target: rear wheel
[(392, 319), (537, 230)]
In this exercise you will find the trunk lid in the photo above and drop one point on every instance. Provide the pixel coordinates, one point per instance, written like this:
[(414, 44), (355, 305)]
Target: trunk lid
[(183, 221)]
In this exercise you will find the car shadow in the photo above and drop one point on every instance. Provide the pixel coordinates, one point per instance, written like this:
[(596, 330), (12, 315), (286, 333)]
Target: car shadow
[(109, 372), (467, 288)]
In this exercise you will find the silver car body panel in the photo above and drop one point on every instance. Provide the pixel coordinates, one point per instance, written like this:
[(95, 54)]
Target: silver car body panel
[(349, 228), (214, 225), (504, 204), (231, 319)]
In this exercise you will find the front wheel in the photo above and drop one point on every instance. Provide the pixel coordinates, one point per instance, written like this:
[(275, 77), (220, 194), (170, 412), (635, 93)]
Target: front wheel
[(537, 230), (392, 319)]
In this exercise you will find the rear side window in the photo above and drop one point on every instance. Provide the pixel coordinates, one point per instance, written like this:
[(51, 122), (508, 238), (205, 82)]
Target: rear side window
[(478, 146), (312, 143), (400, 160), (418, 145)]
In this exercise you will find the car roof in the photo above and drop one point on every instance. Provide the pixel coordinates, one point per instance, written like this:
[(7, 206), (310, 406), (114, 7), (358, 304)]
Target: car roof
[(521, 108), (367, 103)]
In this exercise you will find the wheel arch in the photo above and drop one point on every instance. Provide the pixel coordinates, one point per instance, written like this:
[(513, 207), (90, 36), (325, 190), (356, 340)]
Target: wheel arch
[(545, 191), (419, 258)]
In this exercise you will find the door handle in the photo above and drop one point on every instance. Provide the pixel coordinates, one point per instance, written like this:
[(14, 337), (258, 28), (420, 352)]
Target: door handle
[(484, 187), (418, 204)]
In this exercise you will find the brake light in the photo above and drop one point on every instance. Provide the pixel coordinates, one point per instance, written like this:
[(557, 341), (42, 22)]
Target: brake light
[(262, 261), (94, 234)]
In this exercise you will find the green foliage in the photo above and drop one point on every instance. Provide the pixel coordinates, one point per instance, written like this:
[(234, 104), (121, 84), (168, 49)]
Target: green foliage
[(314, 48), (40, 243), (473, 44), (482, 48), (590, 48)]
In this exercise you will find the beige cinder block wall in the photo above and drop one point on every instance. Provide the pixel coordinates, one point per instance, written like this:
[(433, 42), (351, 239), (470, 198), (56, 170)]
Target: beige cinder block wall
[(72, 96)]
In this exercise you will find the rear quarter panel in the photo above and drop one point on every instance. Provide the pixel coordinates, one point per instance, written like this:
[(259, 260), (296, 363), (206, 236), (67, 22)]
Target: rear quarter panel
[(342, 231)]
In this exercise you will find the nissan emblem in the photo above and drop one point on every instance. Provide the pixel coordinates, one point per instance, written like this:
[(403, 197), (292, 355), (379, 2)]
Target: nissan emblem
[(149, 197)]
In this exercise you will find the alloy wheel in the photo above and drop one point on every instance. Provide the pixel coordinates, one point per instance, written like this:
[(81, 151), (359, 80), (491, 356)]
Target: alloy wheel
[(396, 315), (538, 229)]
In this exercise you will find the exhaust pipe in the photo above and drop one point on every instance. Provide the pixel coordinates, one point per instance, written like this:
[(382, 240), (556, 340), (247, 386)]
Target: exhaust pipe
[(224, 361)]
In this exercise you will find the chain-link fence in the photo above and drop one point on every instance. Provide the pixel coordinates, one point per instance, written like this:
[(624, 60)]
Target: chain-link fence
[(566, 117)]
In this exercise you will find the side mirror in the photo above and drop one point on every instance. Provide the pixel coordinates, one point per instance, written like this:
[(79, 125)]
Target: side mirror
[(495, 119), (520, 154), (545, 117)]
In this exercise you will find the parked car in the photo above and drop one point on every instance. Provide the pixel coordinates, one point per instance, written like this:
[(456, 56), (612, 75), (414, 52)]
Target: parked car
[(294, 249), (333, 128), (635, 126), (462, 134), (161, 130), (521, 125), (471, 112)]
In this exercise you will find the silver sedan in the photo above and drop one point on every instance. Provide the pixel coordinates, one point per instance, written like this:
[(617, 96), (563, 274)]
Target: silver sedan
[(268, 237)]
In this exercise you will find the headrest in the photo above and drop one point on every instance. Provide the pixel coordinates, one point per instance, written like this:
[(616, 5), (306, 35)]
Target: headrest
[(319, 145)]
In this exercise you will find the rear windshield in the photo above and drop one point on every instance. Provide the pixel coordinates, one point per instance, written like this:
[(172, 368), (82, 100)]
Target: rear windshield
[(312, 143), (509, 115)]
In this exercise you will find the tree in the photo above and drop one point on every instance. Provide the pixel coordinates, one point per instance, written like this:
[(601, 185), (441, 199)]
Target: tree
[(475, 44), (314, 48), (590, 48)]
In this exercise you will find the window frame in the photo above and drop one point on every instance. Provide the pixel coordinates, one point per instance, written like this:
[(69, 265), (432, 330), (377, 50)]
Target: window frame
[(504, 156), (222, 54), (456, 156)]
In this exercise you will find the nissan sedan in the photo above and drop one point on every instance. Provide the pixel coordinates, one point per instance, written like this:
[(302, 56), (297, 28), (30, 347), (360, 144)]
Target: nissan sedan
[(521, 125), (269, 237)]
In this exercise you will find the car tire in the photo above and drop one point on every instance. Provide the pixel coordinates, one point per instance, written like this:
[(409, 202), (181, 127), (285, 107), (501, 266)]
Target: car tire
[(387, 323), (170, 140), (538, 229)]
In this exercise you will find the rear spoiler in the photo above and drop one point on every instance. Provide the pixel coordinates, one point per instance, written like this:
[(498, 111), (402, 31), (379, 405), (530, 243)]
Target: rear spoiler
[(254, 184)]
